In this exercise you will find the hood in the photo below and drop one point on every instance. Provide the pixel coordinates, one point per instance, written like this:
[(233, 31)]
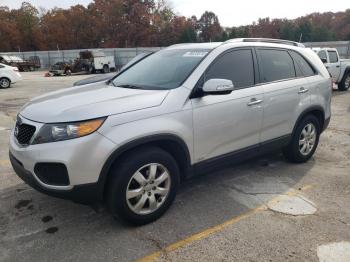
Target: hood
[(90, 101)]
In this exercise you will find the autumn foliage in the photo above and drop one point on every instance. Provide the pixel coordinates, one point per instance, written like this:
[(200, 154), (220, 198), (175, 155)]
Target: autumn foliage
[(132, 23)]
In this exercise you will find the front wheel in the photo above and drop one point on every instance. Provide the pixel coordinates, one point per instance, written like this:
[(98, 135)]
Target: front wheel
[(344, 85), (304, 140), (143, 185)]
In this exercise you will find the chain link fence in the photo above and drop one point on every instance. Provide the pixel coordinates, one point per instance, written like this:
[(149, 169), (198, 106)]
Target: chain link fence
[(49, 58), (343, 47), (124, 55)]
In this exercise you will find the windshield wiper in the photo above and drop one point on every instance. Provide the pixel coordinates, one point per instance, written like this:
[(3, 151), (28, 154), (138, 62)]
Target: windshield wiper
[(129, 86), (110, 82)]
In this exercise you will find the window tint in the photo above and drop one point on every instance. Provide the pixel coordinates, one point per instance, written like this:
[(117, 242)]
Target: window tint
[(333, 58), (302, 67), (236, 66), (322, 54), (275, 65)]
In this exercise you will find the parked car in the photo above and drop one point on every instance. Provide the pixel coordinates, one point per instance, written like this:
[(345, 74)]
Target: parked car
[(15, 61), (338, 68), (178, 112), (107, 77), (60, 68), (8, 75)]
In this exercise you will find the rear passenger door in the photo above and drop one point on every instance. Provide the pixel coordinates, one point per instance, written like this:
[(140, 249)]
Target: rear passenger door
[(285, 94), (227, 123), (314, 80)]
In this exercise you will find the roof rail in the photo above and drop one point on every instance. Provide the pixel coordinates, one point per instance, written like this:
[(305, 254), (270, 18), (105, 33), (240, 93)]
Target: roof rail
[(265, 40)]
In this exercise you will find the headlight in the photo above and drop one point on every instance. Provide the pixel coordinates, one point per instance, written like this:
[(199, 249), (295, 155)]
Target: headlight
[(64, 131)]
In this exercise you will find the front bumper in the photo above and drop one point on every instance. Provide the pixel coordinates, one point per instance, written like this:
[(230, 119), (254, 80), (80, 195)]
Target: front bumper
[(85, 194), (83, 158)]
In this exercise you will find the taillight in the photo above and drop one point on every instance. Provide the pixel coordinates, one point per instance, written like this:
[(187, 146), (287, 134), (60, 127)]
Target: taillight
[(15, 69)]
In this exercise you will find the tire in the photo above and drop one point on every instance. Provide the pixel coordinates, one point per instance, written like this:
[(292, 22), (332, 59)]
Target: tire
[(344, 85), (5, 82), (92, 70), (123, 178), (106, 69), (300, 153)]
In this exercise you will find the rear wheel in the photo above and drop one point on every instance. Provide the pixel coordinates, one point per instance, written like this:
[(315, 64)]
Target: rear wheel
[(304, 140), (106, 69), (344, 85), (5, 82), (143, 185)]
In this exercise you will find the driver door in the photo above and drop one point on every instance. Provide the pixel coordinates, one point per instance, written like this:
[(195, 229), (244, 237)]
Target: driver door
[(228, 122)]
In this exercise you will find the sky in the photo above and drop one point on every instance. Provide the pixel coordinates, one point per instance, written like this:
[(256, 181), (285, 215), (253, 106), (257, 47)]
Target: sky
[(230, 12)]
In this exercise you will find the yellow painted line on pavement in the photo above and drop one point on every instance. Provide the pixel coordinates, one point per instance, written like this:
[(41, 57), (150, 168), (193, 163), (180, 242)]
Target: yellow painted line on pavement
[(4, 162), (212, 230)]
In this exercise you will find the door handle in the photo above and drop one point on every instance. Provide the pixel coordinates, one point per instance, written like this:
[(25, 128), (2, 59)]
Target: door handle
[(254, 101), (303, 90), (338, 66)]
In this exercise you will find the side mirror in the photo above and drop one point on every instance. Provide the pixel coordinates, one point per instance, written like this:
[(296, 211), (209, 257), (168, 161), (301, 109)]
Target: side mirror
[(218, 86), (324, 60)]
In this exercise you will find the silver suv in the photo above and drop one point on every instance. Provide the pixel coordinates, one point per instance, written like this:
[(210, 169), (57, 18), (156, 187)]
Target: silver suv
[(128, 142)]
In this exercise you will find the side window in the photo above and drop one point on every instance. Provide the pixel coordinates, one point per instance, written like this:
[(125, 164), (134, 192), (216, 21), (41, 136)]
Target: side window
[(322, 55), (302, 65), (333, 57), (236, 66), (275, 65), (1, 66)]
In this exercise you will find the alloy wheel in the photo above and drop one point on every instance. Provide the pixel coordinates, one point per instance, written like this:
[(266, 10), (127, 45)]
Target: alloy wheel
[(307, 139), (347, 82), (148, 188), (4, 83)]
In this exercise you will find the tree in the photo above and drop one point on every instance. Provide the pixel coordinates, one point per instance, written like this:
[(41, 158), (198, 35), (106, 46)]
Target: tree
[(9, 34), (27, 23), (209, 27), (131, 23)]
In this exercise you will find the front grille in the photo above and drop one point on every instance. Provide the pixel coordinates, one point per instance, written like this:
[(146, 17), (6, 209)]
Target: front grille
[(24, 132)]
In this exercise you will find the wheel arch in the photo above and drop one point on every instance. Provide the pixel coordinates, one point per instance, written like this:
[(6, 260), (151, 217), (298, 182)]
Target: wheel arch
[(168, 142), (317, 111), (346, 73)]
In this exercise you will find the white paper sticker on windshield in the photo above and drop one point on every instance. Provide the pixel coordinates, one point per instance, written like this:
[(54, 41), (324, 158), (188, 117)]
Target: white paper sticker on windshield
[(195, 54)]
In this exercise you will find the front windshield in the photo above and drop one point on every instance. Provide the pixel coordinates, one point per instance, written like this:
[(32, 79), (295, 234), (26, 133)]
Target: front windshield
[(165, 69)]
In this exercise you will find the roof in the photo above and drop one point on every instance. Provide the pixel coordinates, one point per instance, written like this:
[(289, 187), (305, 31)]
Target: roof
[(213, 45), (266, 40), (318, 49)]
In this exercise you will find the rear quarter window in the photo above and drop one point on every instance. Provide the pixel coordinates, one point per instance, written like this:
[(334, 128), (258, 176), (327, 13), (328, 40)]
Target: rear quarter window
[(303, 68)]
